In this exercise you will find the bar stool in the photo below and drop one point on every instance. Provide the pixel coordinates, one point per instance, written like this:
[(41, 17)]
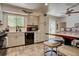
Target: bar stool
[(51, 45)]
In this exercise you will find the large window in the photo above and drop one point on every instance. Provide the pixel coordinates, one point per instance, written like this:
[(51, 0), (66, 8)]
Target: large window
[(20, 21), (15, 20), (11, 21)]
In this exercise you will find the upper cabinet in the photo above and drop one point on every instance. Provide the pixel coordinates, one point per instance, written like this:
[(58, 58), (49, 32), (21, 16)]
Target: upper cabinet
[(35, 22), (32, 20)]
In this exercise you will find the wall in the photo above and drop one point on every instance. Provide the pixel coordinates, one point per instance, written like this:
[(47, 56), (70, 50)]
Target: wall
[(71, 20), (59, 9)]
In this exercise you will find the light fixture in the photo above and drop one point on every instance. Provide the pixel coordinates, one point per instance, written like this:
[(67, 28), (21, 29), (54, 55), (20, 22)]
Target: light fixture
[(46, 4)]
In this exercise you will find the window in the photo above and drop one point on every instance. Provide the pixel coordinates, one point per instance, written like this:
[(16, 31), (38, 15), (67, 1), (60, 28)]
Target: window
[(15, 20), (11, 21), (20, 21)]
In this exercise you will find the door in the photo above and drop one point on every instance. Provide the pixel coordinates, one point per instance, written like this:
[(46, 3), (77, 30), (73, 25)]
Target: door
[(20, 38), (11, 41)]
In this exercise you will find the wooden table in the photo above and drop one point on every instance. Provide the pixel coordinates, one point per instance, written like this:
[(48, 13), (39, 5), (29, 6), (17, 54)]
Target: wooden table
[(66, 50), (68, 36)]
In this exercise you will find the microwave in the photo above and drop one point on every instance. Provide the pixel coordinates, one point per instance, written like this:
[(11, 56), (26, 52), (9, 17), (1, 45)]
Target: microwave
[(32, 28)]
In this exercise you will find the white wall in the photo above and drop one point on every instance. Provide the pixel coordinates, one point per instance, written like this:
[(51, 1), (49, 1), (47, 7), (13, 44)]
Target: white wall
[(58, 9), (71, 20)]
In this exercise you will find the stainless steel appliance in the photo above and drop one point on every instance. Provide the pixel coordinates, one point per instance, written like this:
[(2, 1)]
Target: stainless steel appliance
[(32, 27)]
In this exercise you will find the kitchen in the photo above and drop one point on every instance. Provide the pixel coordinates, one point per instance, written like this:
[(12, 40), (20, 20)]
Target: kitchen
[(24, 27)]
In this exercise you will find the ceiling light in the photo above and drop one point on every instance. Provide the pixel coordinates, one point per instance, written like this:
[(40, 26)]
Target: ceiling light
[(46, 4)]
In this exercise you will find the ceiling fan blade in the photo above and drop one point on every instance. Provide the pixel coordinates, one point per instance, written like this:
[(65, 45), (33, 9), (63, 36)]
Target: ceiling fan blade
[(73, 6), (27, 11), (24, 11), (75, 12)]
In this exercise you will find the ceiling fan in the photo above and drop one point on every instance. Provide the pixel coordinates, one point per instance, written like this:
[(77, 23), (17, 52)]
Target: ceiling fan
[(27, 11), (70, 11)]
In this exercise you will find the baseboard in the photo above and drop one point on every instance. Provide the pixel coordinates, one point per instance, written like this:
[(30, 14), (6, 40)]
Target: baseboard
[(22, 45), (38, 42)]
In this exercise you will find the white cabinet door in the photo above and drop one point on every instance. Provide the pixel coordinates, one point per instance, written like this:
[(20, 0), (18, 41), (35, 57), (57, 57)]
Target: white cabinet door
[(20, 38), (37, 37), (35, 20), (30, 20), (11, 41), (15, 39)]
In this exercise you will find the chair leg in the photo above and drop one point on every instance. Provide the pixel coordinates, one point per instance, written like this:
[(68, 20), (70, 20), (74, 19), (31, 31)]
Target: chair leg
[(44, 51), (51, 51), (56, 51)]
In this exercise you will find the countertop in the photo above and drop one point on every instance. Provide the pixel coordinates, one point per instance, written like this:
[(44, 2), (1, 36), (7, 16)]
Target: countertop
[(72, 34), (23, 32)]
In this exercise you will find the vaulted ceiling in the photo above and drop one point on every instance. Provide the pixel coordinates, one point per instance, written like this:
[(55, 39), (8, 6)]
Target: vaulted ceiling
[(27, 5), (59, 9), (55, 9), (38, 7)]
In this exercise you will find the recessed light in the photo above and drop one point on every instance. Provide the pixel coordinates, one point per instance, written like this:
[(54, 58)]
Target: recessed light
[(46, 4)]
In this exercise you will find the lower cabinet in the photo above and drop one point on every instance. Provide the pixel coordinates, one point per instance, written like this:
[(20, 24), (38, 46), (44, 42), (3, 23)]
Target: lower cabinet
[(39, 37), (15, 39), (20, 39)]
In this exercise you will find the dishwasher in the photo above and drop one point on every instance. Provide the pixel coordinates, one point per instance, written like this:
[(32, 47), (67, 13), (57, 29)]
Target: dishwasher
[(29, 38)]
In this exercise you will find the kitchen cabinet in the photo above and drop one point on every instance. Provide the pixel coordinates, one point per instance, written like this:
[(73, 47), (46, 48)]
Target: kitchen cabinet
[(37, 37), (43, 28), (15, 39), (35, 20), (32, 20), (20, 38), (11, 40)]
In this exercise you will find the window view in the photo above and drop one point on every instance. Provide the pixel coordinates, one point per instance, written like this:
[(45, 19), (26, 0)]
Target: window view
[(20, 21), (15, 23), (11, 21)]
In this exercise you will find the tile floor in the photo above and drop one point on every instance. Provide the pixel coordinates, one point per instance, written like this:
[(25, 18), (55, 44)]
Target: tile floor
[(28, 50)]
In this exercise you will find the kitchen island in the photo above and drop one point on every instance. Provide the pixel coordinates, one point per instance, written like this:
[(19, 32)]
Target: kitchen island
[(68, 36)]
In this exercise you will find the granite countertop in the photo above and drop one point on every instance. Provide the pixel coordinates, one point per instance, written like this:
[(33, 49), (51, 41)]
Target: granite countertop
[(72, 34), (23, 32), (69, 34)]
